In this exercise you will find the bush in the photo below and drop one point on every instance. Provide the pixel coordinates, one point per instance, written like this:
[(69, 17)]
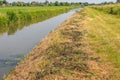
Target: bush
[(12, 16)]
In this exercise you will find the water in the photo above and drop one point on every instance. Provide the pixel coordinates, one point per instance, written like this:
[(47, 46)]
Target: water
[(14, 46)]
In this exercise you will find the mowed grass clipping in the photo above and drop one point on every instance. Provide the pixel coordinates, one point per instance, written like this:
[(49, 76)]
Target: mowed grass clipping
[(104, 36)]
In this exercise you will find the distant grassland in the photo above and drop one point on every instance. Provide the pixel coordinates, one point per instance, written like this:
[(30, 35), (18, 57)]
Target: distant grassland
[(18, 15)]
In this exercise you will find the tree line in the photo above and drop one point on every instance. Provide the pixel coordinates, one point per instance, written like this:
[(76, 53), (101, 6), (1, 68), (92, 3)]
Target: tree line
[(35, 3), (47, 3)]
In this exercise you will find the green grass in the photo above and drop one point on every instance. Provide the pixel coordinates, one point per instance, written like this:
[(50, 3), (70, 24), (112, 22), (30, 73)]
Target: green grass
[(104, 36)]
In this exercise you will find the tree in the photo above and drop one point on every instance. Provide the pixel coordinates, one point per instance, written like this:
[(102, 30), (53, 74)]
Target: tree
[(14, 3), (62, 4), (20, 3), (51, 4), (3, 2), (46, 2), (118, 0), (67, 4), (57, 3)]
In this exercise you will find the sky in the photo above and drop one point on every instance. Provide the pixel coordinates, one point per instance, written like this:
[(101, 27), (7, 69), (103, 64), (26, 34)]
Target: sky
[(90, 1)]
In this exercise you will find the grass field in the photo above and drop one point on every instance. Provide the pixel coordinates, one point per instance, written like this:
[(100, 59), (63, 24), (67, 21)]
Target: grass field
[(15, 15), (85, 47)]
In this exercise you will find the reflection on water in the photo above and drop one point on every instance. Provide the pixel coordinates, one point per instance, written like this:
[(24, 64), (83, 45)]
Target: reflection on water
[(10, 30), (19, 40)]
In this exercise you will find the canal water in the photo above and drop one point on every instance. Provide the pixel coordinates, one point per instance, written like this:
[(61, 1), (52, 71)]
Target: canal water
[(13, 47)]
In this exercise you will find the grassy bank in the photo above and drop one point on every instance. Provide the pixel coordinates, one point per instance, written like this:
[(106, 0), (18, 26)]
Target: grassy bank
[(17, 17), (104, 37), (110, 9), (85, 47)]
